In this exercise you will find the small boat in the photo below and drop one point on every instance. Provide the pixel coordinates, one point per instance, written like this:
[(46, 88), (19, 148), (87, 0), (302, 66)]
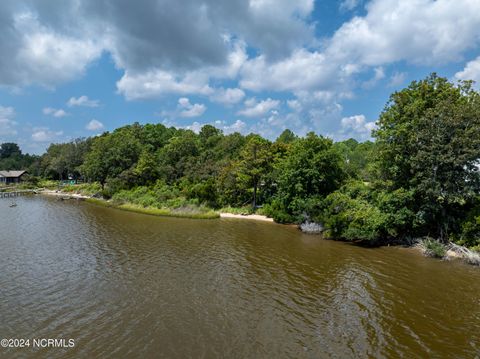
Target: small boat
[(13, 205)]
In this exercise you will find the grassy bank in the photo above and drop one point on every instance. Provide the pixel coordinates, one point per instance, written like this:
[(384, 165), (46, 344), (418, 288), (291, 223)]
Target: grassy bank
[(185, 212), (433, 248)]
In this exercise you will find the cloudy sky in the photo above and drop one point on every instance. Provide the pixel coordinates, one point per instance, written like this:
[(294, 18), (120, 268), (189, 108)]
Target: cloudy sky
[(76, 68)]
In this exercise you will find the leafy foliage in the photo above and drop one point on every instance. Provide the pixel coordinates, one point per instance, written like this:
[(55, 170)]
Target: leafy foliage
[(419, 178)]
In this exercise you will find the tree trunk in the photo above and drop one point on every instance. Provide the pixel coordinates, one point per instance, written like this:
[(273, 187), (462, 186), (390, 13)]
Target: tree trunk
[(254, 195)]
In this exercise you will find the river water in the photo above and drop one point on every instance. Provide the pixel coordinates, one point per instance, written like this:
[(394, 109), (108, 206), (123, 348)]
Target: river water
[(124, 285)]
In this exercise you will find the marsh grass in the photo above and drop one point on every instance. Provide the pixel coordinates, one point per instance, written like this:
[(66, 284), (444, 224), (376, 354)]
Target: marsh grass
[(432, 248), (185, 212)]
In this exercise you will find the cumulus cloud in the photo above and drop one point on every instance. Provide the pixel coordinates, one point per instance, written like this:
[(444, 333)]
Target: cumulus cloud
[(94, 125), (397, 79), (237, 126), (7, 124), (190, 110), (7, 112), (417, 31), (470, 72), (158, 83), (82, 101), (303, 70), (349, 5), (258, 109), (43, 134), (379, 74), (146, 36), (229, 96), (54, 112), (227, 128), (32, 45), (221, 49), (357, 126)]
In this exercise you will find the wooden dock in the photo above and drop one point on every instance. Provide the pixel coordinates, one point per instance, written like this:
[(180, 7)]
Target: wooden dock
[(11, 194)]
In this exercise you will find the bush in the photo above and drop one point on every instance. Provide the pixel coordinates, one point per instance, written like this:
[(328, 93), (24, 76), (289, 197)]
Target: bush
[(158, 196), (433, 248), (276, 211), (359, 211), (205, 192), (470, 233), (352, 218)]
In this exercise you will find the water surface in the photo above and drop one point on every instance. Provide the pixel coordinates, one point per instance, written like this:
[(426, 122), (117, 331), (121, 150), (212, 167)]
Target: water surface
[(127, 285)]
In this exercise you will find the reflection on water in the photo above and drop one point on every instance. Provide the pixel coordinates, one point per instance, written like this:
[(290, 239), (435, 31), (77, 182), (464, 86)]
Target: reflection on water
[(127, 285)]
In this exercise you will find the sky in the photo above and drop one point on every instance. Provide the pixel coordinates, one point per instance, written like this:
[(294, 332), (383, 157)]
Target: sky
[(71, 69)]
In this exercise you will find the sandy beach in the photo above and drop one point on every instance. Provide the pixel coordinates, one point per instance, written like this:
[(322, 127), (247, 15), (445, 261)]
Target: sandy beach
[(255, 217), (63, 194)]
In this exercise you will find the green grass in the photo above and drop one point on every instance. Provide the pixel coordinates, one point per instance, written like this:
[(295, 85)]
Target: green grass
[(49, 184), (433, 248), (99, 202), (87, 189), (187, 212)]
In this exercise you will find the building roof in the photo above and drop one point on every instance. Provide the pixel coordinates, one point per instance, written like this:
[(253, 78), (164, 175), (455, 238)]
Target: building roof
[(14, 174)]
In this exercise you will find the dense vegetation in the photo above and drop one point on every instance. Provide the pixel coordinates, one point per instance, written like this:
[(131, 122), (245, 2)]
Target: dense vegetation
[(12, 158), (420, 178)]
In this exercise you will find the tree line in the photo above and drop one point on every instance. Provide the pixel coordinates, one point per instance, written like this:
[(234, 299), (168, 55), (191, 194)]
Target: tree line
[(419, 177)]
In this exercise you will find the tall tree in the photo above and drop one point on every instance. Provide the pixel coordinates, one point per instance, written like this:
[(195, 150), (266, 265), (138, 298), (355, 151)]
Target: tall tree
[(429, 142), (9, 149), (311, 170), (256, 162)]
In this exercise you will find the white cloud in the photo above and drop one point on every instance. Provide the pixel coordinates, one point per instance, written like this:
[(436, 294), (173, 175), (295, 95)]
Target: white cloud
[(7, 124), (470, 72), (417, 31), (43, 56), (349, 5), (357, 126), (43, 134), (397, 79), (237, 126), (7, 112), (258, 109), (54, 112), (379, 74), (94, 125), (158, 83), (229, 96), (294, 105), (190, 110), (303, 70), (82, 101)]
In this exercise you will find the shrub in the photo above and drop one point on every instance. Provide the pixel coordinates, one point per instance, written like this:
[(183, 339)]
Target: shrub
[(470, 233), (433, 248)]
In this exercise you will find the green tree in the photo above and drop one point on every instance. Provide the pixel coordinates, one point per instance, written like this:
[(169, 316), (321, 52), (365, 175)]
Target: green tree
[(112, 154), (178, 155), (429, 143), (255, 163), (9, 149), (311, 170), (287, 136)]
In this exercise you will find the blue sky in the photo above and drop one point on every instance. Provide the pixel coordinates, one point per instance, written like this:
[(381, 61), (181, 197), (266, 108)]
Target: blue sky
[(78, 68)]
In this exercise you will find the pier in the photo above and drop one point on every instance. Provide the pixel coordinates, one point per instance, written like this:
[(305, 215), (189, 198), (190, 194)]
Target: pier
[(18, 193)]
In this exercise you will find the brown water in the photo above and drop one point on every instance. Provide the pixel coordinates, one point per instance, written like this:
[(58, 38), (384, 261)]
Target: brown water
[(124, 285)]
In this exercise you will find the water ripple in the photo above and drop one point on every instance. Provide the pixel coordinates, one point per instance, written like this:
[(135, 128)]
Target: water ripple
[(126, 285)]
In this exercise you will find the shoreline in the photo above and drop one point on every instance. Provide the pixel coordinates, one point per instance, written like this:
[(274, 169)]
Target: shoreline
[(56, 193), (254, 217), (155, 211), (455, 253)]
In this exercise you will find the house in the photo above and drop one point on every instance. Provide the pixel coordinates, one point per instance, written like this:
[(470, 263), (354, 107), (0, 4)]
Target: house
[(7, 177)]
